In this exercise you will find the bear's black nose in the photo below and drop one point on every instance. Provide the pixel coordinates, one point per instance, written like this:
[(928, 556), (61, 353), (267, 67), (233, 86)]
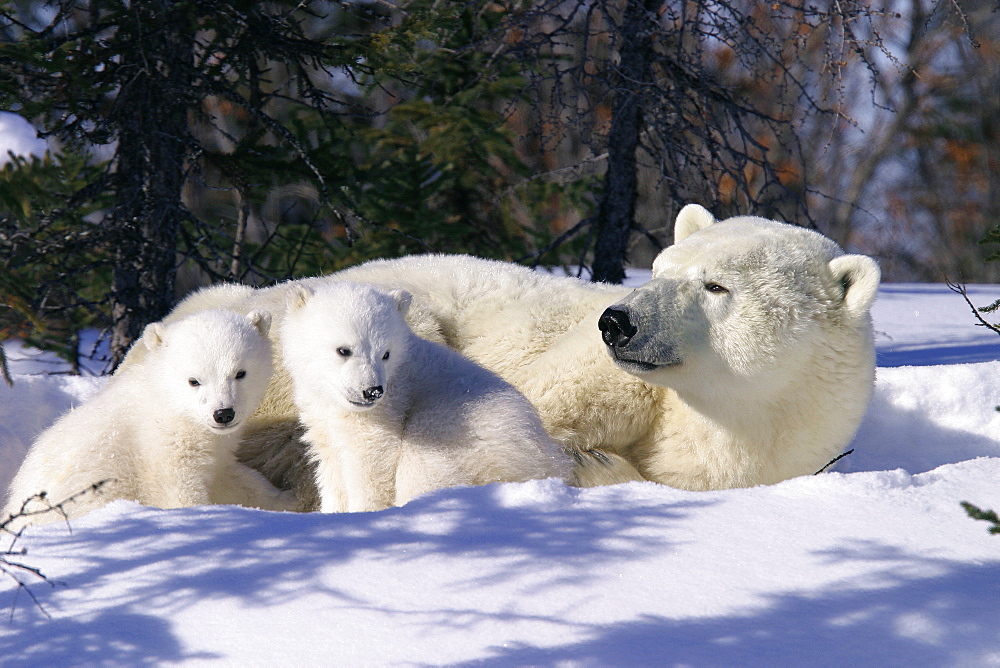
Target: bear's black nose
[(224, 415), (616, 328), (372, 393)]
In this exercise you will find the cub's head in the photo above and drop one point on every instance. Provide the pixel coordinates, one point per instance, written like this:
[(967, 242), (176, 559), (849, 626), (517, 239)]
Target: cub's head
[(738, 303), (211, 367), (342, 342)]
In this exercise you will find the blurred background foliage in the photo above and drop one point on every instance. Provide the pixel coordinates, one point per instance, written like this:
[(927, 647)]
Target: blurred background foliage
[(198, 142)]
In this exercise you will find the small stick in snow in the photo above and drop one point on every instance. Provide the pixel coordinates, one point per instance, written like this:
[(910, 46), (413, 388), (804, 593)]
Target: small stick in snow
[(13, 568), (834, 461), (960, 289)]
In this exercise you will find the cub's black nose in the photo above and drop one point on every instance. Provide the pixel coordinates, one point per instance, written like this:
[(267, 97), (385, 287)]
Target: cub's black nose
[(616, 328), (224, 415), (372, 393)]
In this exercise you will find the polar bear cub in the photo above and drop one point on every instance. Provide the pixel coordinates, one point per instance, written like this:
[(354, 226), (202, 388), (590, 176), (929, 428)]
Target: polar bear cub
[(163, 432), (389, 415)]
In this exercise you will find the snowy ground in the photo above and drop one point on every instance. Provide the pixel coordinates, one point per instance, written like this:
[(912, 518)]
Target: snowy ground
[(874, 565)]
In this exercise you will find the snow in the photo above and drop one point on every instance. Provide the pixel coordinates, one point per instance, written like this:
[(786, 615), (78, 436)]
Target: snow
[(18, 137), (875, 564)]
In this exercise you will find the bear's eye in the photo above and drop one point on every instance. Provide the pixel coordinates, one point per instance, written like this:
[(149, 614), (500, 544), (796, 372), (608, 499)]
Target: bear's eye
[(344, 352), (241, 374), (193, 382), (716, 288), (386, 356)]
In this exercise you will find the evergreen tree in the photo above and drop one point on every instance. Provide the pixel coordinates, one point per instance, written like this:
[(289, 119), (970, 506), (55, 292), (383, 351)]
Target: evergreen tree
[(232, 140)]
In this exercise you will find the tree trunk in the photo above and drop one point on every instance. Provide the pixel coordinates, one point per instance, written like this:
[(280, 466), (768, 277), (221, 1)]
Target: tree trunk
[(616, 210), (150, 113)]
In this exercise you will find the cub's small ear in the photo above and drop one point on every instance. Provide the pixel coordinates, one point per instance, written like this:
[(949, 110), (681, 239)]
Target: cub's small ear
[(298, 296), (261, 320), (403, 299), (859, 277), (692, 217), (154, 334)]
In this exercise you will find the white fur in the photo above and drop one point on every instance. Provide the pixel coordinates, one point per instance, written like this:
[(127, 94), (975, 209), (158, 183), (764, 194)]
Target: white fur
[(770, 380), (161, 432), (389, 416), (762, 332)]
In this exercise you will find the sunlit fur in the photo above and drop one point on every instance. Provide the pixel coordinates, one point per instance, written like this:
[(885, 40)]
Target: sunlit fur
[(761, 382), (153, 432), (436, 420)]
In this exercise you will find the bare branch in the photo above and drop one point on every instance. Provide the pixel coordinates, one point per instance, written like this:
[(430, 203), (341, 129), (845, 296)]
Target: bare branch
[(834, 461), (22, 573), (960, 289)]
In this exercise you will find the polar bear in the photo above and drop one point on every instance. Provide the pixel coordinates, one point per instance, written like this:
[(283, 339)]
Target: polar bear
[(747, 359), (761, 332), (389, 416), (163, 432)]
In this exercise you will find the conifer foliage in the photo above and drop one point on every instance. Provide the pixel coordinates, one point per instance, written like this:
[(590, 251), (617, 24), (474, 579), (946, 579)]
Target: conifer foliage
[(243, 141), (225, 140)]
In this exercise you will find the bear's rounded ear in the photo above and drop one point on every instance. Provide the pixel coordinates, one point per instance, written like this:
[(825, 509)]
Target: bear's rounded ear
[(858, 276), (261, 320), (298, 296), (153, 335), (692, 217), (403, 299)]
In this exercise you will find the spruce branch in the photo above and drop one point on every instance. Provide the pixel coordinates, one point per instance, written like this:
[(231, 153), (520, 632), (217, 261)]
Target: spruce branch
[(977, 513)]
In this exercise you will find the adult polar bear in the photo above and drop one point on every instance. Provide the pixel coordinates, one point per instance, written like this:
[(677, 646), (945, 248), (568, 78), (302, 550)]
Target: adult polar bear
[(747, 359)]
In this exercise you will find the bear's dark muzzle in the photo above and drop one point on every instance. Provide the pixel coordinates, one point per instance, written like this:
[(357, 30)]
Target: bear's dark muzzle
[(372, 393), (616, 327), (224, 415)]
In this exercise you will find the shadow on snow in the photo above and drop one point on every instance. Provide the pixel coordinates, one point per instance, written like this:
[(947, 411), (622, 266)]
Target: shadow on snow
[(150, 564), (911, 621)]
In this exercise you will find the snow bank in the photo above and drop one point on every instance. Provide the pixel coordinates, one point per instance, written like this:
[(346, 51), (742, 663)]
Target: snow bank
[(874, 565)]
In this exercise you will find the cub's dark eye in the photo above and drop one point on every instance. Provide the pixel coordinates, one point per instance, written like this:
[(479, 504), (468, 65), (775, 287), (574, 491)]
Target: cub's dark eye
[(344, 352), (716, 288), (241, 374), (193, 382), (386, 356)]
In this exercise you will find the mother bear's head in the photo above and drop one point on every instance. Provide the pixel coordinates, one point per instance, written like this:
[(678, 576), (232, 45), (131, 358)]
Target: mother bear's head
[(746, 302)]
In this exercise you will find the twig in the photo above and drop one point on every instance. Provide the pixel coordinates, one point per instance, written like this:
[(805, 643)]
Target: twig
[(960, 289), (562, 238), (834, 461), (4, 369), (12, 569)]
